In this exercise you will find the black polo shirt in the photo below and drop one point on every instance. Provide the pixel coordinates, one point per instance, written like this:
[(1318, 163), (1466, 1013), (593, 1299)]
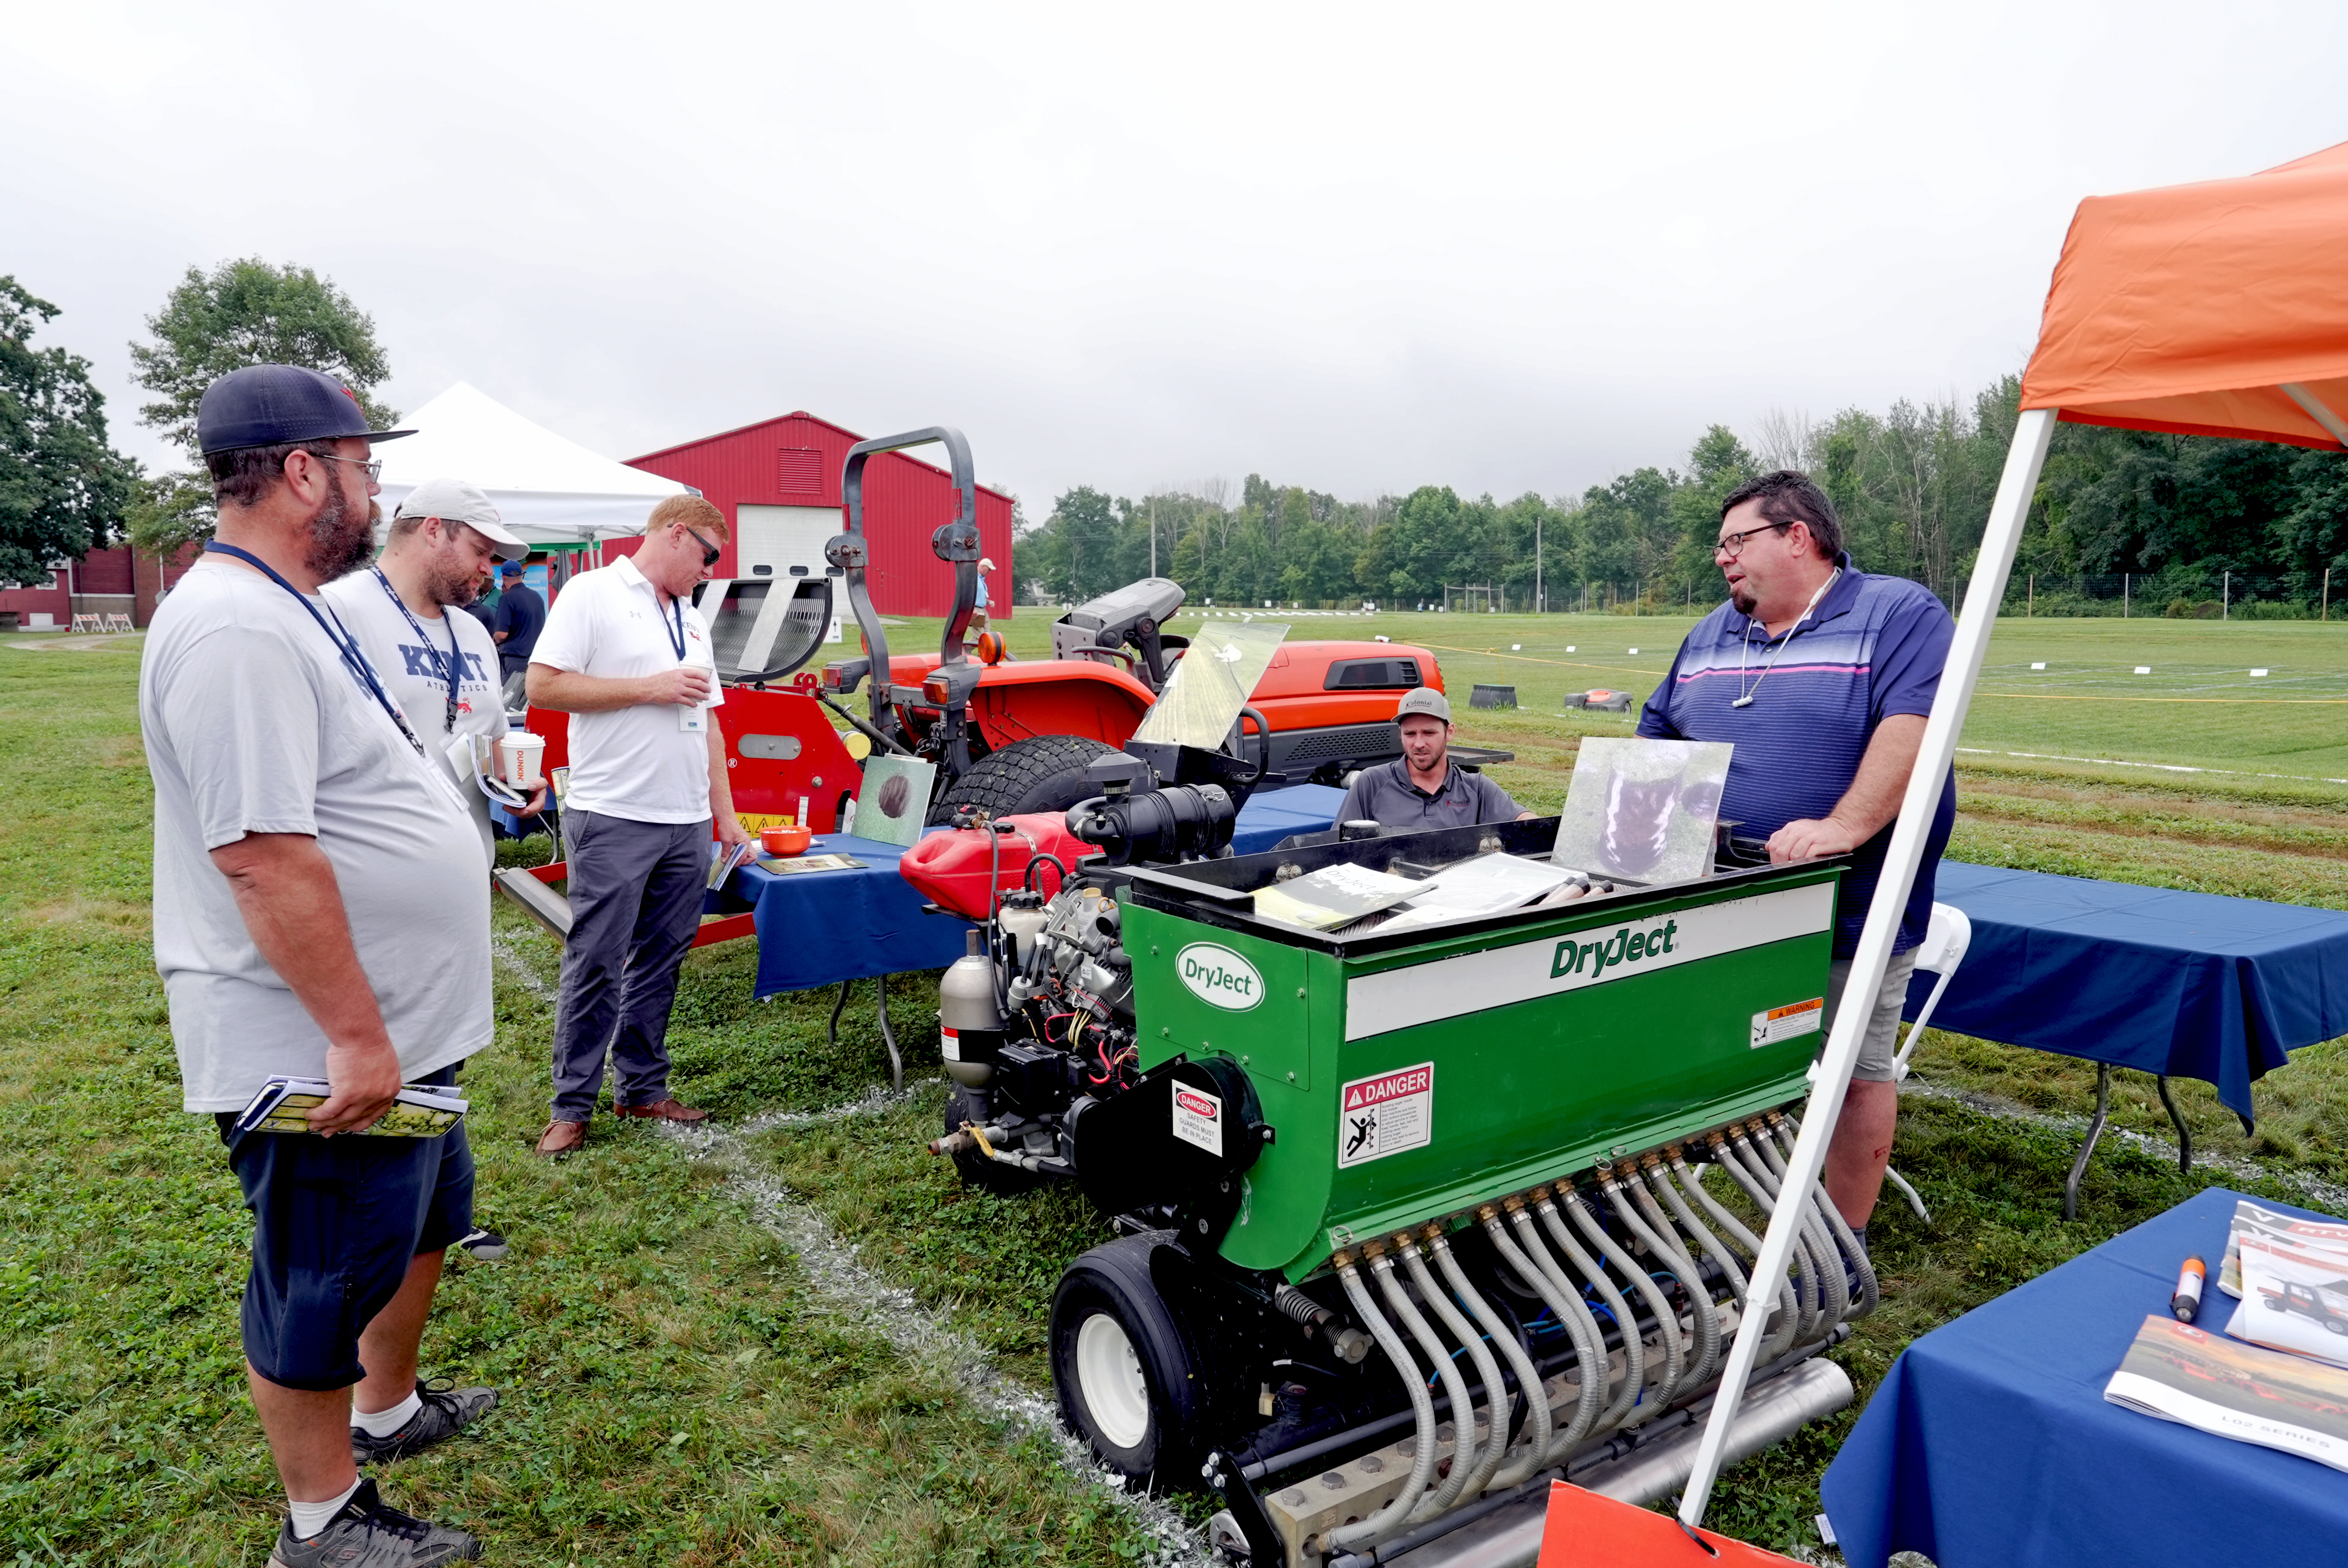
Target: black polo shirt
[(1385, 795)]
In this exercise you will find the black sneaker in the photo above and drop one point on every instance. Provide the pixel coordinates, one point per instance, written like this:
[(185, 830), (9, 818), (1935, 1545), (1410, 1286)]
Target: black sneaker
[(368, 1534), (484, 1246), (448, 1410)]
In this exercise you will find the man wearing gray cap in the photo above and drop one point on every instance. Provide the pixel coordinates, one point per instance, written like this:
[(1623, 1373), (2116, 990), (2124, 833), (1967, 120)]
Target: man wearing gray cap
[(1424, 788), (441, 669), (319, 913)]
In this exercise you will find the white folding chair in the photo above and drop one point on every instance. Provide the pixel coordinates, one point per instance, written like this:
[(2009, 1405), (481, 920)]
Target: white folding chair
[(1946, 938)]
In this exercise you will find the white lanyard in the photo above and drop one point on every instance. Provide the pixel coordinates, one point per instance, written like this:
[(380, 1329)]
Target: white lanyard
[(1744, 698)]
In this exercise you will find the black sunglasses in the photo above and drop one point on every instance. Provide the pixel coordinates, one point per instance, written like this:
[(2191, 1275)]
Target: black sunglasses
[(710, 552)]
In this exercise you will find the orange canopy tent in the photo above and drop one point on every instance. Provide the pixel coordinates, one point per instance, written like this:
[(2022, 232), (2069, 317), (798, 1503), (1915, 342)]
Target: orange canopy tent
[(2216, 309)]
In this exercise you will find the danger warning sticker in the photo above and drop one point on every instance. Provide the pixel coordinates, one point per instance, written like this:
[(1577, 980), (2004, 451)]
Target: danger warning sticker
[(1198, 1118), (1785, 1022), (1386, 1114)]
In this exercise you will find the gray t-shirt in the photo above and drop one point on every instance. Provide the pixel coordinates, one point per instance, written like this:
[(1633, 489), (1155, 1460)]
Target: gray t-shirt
[(254, 724), (1385, 795), (411, 667)]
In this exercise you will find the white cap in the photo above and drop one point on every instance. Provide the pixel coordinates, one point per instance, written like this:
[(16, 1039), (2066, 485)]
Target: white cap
[(457, 501), (985, 564)]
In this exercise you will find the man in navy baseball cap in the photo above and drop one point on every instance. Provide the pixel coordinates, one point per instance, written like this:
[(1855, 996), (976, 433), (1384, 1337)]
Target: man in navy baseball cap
[(278, 406)]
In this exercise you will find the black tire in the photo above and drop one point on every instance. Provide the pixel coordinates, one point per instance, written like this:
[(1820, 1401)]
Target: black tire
[(1143, 1418), (2337, 1326), (975, 1169), (1042, 773)]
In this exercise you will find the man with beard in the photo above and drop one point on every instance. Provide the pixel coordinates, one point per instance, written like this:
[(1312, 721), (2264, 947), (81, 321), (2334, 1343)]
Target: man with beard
[(442, 670), (319, 913), (1424, 788), (1821, 676)]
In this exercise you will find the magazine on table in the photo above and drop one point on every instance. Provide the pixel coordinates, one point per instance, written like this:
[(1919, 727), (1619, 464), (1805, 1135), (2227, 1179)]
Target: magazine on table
[(1484, 885), (419, 1111), (2294, 1298), (1332, 895), (797, 864), (2176, 1372), (2249, 1219)]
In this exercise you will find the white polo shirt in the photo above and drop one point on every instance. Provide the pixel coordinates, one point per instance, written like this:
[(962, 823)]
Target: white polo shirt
[(635, 762)]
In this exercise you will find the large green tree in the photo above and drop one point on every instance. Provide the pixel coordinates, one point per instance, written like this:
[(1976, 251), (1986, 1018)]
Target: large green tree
[(239, 313), (250, 313), (62, 486)]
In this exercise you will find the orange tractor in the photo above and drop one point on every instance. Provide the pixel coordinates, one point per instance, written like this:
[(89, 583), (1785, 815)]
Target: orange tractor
[(1006, 734)]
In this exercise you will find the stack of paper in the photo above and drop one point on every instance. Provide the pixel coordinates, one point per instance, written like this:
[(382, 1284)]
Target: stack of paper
[(1334, 896), (1485, 885), (420, 1109)]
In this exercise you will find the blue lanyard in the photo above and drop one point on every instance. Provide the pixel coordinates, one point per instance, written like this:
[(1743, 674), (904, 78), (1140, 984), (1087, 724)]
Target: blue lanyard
[(450, 669), (677, 638), (344, 644)]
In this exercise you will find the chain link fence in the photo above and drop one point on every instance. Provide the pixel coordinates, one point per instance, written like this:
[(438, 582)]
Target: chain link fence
[(2177, 594)]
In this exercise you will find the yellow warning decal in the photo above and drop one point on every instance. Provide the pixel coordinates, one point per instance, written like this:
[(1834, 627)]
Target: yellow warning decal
[(1787, 1023)]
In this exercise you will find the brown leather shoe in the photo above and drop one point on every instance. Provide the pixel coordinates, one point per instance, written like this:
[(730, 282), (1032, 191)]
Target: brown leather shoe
[(561, 1138), (670, 1109)]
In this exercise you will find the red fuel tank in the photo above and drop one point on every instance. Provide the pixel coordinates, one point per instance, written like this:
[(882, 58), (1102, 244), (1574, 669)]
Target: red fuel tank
[(951, 868)]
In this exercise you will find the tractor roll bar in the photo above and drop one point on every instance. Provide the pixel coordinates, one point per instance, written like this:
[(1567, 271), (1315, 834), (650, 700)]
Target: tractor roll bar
[(955, 543)]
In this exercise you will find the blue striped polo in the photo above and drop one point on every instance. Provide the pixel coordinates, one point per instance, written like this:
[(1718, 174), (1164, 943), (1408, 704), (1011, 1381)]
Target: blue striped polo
[(1873, 647)]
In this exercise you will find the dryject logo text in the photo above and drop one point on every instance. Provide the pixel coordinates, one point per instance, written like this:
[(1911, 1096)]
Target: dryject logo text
[(1219, 976)]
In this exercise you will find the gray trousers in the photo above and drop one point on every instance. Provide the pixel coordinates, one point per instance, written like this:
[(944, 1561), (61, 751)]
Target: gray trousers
[(636, 893)]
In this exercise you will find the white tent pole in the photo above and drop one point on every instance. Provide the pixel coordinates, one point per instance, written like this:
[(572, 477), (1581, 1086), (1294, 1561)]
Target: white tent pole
[(2003, 538)]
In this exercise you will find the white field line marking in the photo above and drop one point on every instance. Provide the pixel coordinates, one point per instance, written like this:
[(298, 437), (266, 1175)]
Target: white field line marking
[(2328, 1196), (2162, 767), (859, 1295)]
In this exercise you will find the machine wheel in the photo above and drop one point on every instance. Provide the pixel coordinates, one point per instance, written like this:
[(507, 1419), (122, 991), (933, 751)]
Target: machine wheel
[(978, 1171), (1127, 1379), (1042, 773)]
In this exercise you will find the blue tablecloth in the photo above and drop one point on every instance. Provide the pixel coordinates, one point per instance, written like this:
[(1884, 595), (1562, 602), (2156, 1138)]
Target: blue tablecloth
[(823, 927), (1990, 1444), (2192, 984)]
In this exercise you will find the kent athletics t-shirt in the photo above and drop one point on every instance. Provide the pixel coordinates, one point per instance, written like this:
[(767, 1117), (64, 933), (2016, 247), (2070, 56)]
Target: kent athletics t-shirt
[(1873, 647), (253, 724), (412, 666)]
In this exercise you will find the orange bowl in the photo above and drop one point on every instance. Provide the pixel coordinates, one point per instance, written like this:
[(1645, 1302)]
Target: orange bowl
[(785, 840)]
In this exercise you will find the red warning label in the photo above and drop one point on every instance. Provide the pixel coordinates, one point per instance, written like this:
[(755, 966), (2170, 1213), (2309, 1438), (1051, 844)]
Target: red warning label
[(1386, 1114)]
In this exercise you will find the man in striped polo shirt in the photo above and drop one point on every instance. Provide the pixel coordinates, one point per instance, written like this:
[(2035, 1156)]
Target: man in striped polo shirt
[(1821, 676)]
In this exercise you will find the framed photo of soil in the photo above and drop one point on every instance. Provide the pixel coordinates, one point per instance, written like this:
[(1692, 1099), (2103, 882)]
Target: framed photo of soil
[(895, 800)]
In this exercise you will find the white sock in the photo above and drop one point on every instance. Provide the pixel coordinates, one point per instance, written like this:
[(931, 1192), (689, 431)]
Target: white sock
[(383, 1423), (309, 1518)]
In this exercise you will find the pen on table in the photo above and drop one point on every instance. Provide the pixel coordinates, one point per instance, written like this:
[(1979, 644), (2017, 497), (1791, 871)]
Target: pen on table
[(2185, 1304)]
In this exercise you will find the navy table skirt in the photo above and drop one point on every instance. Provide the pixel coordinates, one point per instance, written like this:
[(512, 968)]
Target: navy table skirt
[(1990, 1444), (2185, 984), (823, 927)]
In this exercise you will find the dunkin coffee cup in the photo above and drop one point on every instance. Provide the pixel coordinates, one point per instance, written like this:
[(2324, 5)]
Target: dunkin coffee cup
[(520, 753)]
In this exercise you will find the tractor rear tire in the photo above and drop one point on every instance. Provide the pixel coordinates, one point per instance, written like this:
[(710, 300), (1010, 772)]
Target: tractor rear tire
[(1042, 773), (1128, 1380)]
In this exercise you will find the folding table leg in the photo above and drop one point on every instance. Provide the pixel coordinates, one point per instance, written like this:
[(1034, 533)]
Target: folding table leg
[(896, 1061), (2095, 1132), (2184, 1133), (836, 1006)]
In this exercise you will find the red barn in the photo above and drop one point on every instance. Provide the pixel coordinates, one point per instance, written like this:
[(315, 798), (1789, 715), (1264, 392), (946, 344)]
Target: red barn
[(777, 483)]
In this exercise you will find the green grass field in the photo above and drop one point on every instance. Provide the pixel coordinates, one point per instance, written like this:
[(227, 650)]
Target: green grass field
[(686, 1381)]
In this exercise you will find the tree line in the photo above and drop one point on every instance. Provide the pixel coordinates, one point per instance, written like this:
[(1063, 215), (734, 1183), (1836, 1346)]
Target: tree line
[(2165, 517)]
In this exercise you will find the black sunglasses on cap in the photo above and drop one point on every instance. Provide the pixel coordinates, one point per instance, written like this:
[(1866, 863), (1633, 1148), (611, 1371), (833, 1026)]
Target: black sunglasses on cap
[(710, 552)]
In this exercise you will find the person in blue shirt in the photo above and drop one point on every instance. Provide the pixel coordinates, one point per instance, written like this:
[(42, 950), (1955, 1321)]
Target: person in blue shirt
[(1821, 676), (520, 616)]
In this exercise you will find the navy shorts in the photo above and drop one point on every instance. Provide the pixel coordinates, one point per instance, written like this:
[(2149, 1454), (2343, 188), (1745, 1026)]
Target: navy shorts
[(335, 1223)]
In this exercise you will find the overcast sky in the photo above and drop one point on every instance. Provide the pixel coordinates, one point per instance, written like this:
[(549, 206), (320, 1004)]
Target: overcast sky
[(1358, 247)]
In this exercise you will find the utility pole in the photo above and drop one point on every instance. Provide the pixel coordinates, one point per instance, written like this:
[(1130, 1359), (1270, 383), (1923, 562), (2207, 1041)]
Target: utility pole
[(1153, 536), (2124, 596), (2225, 604), (1538, 606), (2327, 594)]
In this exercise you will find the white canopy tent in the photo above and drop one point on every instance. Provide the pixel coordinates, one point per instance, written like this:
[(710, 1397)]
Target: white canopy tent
[(549, 489)]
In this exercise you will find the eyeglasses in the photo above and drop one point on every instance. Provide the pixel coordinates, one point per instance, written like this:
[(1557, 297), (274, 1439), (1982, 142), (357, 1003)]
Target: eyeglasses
[(710, 552), (1733, 545), (373, 468)]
